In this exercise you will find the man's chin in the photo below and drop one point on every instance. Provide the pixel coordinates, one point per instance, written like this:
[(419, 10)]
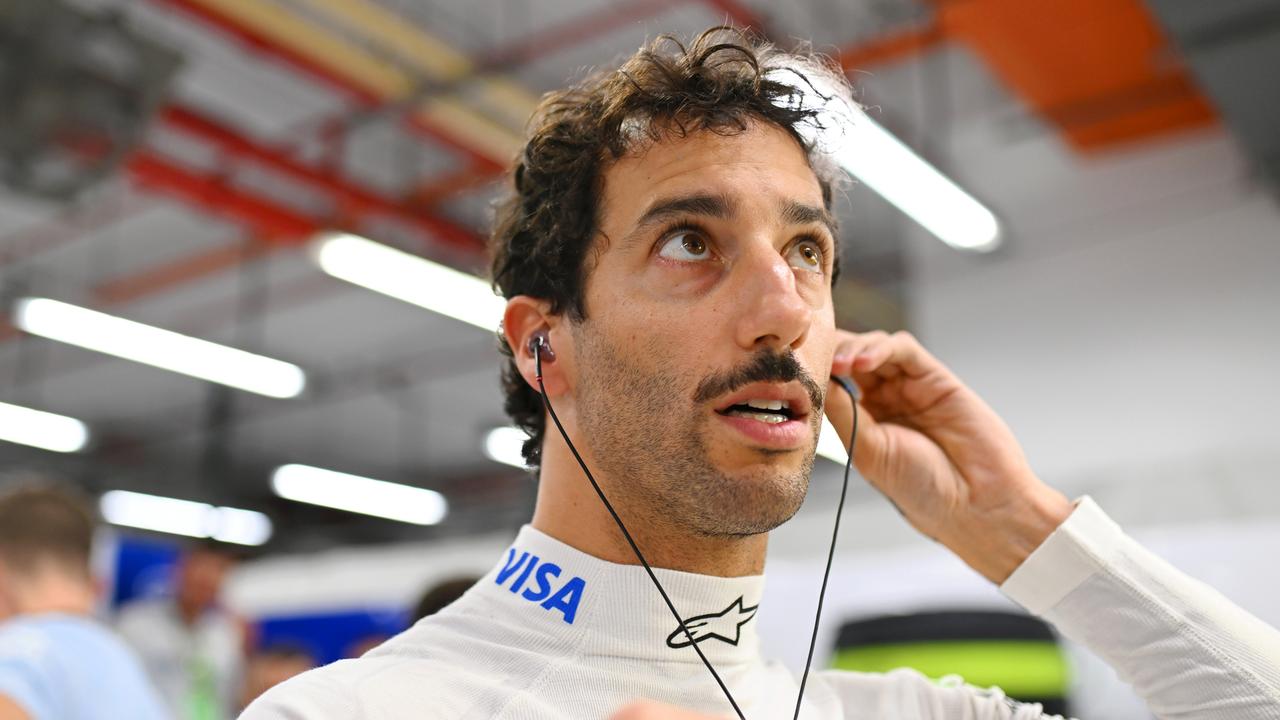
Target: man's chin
[(760, 496)]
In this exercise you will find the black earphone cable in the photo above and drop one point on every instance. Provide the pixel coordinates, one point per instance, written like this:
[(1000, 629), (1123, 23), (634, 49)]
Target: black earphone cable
[(537, 356), (546, 400), (831, 553)]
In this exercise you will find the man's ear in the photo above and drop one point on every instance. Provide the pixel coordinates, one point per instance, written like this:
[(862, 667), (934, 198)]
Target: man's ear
[(525, 318)]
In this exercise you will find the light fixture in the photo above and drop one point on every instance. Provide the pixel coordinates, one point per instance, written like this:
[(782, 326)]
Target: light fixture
[(41, 429), (885, 164), (185, 517), (160, 348), (504, 444), (894, 171), (352, 493), (410, 278), (830, 446)]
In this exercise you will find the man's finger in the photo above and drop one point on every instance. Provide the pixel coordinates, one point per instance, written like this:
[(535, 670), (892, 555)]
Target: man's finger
[(850, 346), (895, 355)]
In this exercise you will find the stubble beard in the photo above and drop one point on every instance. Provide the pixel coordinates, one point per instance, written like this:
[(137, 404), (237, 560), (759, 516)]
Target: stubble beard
[(649, 440)]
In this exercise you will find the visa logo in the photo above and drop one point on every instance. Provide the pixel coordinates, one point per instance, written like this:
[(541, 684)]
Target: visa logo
[(543, 589)]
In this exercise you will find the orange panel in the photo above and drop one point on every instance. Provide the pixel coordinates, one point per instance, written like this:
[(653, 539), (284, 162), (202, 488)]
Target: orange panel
[(1099, 70)]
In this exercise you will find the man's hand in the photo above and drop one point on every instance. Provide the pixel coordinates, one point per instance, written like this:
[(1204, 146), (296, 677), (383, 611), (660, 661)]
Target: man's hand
[(648, 710), (941, 454)]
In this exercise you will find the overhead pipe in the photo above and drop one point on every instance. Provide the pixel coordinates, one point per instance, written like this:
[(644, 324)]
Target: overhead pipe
[(357, 198), (274, 222)]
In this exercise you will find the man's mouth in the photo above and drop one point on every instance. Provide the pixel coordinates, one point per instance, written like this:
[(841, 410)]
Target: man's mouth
[(765, 411), (773, 416)]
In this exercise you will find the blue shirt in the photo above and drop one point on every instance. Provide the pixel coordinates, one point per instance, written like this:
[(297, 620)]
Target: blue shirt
[(66, 667)]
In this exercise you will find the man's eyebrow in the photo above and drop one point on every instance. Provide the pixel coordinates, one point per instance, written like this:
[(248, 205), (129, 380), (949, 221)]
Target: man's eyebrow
[(716, 206), (797, 213)]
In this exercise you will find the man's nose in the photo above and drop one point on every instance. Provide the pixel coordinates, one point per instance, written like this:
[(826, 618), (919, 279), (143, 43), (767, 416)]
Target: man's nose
[(771, 312)]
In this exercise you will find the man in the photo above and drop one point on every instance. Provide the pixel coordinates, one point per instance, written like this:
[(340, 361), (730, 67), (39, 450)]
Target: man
[(56, 661), (668, 256), (269, 666), (192, 648), (441, 595)]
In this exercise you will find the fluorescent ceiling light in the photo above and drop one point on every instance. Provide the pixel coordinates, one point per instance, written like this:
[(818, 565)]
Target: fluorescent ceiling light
[(886, 165), (44, 430), (881, 161), (503, 444), (830, 446), (161, 348), (356, 494), (407, 277), (185, 517), (243, 527)]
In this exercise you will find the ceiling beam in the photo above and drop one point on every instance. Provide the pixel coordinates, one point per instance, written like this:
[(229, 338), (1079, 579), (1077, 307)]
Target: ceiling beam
[(365, 78), (354, 198)]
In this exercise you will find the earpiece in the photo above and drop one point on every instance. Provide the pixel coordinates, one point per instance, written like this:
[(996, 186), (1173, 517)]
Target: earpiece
[(540, 347)]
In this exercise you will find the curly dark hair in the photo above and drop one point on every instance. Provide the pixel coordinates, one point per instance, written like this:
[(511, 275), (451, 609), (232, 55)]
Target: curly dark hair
[(721, 82)]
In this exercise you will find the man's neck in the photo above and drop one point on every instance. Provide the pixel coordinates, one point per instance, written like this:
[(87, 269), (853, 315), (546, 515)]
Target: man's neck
[(569, 510), (51, 592)]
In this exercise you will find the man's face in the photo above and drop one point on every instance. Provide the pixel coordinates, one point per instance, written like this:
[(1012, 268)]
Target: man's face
[(200, 578), (703, 360)]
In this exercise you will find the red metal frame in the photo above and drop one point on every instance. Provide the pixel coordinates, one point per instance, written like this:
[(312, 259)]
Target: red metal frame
[(265, 46), (272, 221), (357, 199)]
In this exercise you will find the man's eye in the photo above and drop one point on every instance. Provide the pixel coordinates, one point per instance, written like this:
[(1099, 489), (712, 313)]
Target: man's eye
[(806, 255), (685, 246)]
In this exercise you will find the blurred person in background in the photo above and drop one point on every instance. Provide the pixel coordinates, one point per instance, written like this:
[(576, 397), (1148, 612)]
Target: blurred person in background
[(441, 595), (57, 661), (436, 598), (192, 648), (269, 666), (667, 255)]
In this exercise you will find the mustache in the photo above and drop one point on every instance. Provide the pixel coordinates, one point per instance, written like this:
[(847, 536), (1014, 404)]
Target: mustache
[(765, 366)]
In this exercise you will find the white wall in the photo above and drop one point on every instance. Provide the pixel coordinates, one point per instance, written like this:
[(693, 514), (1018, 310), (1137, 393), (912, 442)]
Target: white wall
[(1138, 339)]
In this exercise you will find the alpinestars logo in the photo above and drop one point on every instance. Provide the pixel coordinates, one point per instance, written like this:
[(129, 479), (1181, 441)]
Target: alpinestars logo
[(725, 625)]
